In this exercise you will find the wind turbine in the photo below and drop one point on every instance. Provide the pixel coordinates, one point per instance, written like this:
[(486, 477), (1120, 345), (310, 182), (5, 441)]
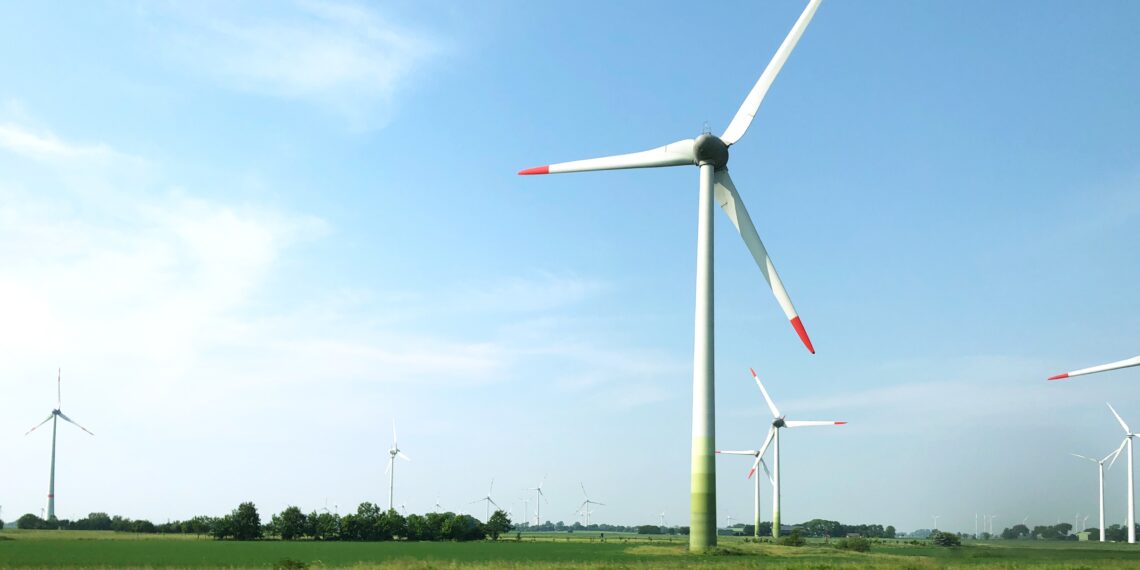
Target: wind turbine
[(662, 515), (778, 422), (710, 153), (393, 453), (1126, 363), (1100, 478), (935, 521), (1128, 435), (756, 492), (437, 505), (489, 501), (538, 501), (585, 506), (56, 415)]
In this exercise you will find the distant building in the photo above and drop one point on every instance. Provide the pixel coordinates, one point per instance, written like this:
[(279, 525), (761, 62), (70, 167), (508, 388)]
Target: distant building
[(1083, 535)]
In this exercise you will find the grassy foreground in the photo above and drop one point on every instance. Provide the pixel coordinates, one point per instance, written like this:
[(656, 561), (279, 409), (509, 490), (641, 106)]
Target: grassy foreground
[(54, 549)]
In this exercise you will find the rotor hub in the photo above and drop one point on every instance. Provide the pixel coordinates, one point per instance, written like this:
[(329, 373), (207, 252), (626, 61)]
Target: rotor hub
[(709, 149), (778, 422)]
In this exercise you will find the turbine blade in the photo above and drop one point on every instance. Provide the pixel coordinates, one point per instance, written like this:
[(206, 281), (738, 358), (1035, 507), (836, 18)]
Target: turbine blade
[(1116, 454), (584, 493), (388, 467), (1122, 424), (733, 206), (756, 463), (1126, 363), (597, 503), (751, 105), (674, 154), (767, 441), (394, 446), (1087, 458), (801, 423), (403, 456), (740, 452), (493, 502), (766, 472), (491, 488), (72, 422), (40, 424), (58, 390), (771, 405)]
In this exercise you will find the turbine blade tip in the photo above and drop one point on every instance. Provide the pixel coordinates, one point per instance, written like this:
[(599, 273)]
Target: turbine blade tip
[(535, 170), (1059, 376), (753, 371), (751, 472), (840, 423), (799, 326)]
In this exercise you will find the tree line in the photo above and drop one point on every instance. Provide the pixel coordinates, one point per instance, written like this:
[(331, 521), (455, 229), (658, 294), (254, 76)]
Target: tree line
[(368, 523)]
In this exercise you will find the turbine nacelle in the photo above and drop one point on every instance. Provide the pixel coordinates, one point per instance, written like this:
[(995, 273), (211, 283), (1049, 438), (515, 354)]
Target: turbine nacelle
[(709, 149), (779, 422)]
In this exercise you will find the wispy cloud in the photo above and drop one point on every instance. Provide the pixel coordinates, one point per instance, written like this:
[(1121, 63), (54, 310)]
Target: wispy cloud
[(46, 146), (343, 57)]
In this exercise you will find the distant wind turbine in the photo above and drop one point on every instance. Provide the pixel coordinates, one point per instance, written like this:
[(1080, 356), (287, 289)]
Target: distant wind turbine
[(778, 422), (711, 153), (1128, 435), (393, 453), (1126, 363), (586, 504), (538, 501), (1111, 458), (56, 415), (756, 491), (488, 500)]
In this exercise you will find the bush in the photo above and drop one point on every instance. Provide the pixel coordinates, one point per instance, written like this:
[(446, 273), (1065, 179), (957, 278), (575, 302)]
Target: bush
[(945, 539), (855, 543), (793, 539)]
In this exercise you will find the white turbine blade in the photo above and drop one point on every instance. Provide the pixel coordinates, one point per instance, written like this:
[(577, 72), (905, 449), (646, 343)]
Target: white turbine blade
[(388, 467), (755, 464), (1122, 424), (766, 472), (58, 390), (751, 105), (675, 154), (597, 503), (739, 452), (491, 488), (394, 446), (40, 424), (1126, 363), (403, 456), (771, 405), (493, 502), (72, 422), (801, 423), (733, 206), (1087, 458), (477, 501), (1116, 454), (584, 493)]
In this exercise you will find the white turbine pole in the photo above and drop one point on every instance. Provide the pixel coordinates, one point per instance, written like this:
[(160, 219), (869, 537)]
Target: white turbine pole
[(975, 526), (1100, 498), (702, 487), (1131, 497), (775, 483), (935, 522), (756, 509)]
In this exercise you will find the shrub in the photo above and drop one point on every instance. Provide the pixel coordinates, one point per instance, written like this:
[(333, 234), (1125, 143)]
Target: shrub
[(793, 539), (945, 539), (856, 543)]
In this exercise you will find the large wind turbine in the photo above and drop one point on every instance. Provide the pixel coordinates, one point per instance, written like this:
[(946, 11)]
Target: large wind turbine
[(756, 492), (56, 415), (1128, 435), (488, 500), (585, 506), (778, 422), (1126, 363), (393, 453), (710, 153), (1100, 478)]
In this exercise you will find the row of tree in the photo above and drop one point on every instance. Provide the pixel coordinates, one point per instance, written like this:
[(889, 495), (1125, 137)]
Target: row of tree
[(1063, 531), (368, 523)]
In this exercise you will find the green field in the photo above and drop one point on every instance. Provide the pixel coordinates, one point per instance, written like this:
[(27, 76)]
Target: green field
[(77, 549)]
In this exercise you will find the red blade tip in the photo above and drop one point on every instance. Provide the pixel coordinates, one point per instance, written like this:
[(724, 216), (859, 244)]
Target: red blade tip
[(839, 423), (535, 170), (753, 373), (1059, 376), (750, 472), (799, 326)]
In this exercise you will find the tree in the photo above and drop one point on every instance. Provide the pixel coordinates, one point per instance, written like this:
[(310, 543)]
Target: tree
[(946, 539), (222, 527), (889, 532), (417, 528), (246, 522), (793, 539), (290, 524), (30, 521), (497, 524)]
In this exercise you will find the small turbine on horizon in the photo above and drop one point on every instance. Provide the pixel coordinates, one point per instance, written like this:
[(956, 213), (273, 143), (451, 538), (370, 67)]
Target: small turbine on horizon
[(538, 501), (488, 500), (756, 491), (393, 453), (585, 506), (1111, 458), (56, 415)]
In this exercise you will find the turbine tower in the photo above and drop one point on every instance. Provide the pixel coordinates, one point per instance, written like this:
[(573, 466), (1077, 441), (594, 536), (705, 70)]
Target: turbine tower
[(585, 506), (1128, 435), (54, 418), (1111, 458), (538, 501), (710, 153), (756, 492), (778, 422), (488, 500), (1126, 363), (393, 453)]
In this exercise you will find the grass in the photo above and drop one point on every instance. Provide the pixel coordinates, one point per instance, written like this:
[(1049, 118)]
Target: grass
[(54, 549)]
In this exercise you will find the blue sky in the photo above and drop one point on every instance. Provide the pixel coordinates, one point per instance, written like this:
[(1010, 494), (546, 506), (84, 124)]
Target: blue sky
[(255, 234)]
